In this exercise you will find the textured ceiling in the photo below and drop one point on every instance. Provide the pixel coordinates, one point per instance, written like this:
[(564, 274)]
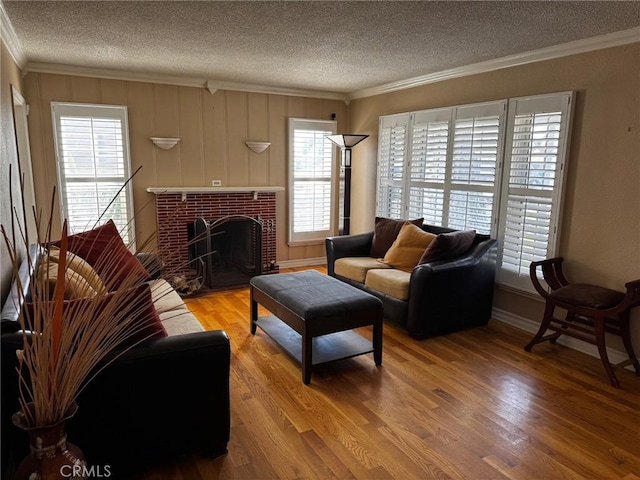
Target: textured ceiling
[(329, 46)]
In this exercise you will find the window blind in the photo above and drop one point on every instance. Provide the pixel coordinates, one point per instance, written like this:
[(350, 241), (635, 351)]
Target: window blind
[(311, 180), (392, 158), (93, 164), (532, 194), (428, 166), (475, 166), (449, 174)]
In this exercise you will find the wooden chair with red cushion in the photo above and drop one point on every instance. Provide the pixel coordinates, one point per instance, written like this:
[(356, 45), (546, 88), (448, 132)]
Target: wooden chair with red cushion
[(591, 310)]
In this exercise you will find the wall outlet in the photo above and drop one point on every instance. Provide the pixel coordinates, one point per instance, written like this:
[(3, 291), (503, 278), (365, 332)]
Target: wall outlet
[(216, 183)]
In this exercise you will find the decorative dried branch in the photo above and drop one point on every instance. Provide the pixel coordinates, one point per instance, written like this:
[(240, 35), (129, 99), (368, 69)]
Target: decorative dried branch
[(64, 347)]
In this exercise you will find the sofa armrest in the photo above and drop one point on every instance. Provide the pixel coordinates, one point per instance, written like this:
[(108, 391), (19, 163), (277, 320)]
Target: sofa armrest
[(177, 385), (475, 255), (347, 246), (452, 294), (168, 397)]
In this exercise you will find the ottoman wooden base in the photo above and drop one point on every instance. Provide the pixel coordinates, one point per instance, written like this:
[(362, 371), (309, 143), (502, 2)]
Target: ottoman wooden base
[(313, 315)]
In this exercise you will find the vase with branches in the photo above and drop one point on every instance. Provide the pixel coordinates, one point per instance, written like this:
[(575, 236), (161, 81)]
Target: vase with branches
[(66, 343)]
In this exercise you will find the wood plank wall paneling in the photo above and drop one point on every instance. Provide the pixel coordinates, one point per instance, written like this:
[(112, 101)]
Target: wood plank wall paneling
[(86, 90), (237, 124), (192, 136), (113, 92), (166, 124), (213, 131), (139, 101), (215, 137), (278, 153), (257, 131)]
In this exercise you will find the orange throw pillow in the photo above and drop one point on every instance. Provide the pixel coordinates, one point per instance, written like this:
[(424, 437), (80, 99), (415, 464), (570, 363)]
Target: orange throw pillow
[(407, 249)]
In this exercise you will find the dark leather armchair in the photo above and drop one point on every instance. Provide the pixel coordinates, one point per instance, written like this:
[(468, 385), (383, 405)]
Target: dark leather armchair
[(164, 398), (444, 295)]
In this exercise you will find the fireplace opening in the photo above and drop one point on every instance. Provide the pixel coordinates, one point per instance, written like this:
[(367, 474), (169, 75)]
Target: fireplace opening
[(225, 252)]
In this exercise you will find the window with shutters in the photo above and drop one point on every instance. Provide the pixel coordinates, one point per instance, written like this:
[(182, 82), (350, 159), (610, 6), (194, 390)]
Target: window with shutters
[(452, 157), (538, 136), (93, 164), (446, 165), (312, 181), (392, 154)]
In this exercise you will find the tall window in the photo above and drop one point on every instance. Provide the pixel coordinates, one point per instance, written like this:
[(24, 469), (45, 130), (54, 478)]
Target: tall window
[(92, 153), (392, 158), (311, 180), (538, 137), (442, 165), (446, 165)]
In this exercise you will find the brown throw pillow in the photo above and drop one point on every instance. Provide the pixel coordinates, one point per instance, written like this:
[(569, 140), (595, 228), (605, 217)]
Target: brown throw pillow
[(408, 247), (105, 251), (385, 232), (449, 245)]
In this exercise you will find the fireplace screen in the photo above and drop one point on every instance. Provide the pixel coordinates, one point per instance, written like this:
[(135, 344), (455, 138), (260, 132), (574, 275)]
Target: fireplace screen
[(226, 252)]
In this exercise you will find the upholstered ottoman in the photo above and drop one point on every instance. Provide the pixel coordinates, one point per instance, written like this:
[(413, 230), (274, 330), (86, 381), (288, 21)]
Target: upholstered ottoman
[(313, 315)]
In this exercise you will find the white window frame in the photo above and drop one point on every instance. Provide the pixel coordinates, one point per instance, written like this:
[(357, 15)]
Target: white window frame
[(95, 111), (447, 184), (326, 127), (393, 141), (501, 190), (538, 105)]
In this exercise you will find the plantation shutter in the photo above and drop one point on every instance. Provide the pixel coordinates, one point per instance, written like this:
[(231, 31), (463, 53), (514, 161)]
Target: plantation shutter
[(428, 166), (93, 164), (311, 180), (454, 166), (475, 159), (392, 158), (537, 144)]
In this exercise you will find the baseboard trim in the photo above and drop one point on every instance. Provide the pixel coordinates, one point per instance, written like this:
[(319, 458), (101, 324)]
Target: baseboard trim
[(302, 262), (521, 323)]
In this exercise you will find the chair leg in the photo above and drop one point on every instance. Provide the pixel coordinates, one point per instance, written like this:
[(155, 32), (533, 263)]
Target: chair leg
[(626, 340), (569, 318), (546, 320), (602, 349)]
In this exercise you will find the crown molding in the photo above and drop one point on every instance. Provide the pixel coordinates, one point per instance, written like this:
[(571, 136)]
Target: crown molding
[(10, 39), (608, 40), (60, 69), (213, 86)]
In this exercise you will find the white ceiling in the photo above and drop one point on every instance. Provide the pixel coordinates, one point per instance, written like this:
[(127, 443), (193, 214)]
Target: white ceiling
[(337, 46)]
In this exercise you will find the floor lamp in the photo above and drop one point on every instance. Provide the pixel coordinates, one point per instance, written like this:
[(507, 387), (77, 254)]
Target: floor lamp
[(346, 142)]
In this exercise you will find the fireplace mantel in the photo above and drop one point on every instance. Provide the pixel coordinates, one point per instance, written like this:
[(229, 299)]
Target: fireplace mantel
[(184, 190)]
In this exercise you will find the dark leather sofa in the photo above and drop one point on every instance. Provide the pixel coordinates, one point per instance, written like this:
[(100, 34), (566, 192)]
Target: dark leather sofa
[(444, 295), (162, 399)]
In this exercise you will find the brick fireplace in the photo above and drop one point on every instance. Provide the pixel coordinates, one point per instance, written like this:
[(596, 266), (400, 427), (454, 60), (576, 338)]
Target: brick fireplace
[(177, 208)]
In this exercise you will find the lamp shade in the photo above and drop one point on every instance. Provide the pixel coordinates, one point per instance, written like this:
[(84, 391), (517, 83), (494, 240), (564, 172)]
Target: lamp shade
[(347, 140)]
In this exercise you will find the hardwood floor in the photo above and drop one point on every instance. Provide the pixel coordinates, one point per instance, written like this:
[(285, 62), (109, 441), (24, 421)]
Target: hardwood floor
[(471, 404)]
